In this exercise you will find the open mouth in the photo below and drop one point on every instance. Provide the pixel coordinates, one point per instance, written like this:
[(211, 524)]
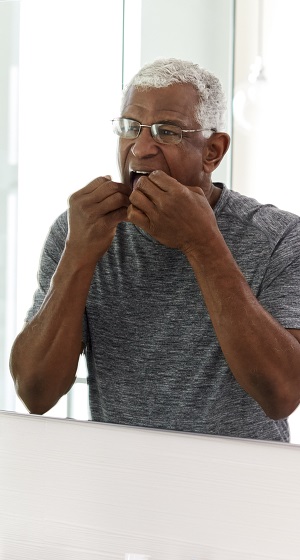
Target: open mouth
[(135, 175)]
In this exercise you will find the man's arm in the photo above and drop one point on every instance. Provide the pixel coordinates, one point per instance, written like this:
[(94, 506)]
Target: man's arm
[(263, 356), (45, 354)]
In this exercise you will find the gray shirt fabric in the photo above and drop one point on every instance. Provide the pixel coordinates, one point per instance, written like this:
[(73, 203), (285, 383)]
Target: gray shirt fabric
[(152, 354)]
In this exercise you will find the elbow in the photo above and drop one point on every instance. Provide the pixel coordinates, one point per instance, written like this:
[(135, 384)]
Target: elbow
[(31, 390), (278, 397), (32, 395), (37, 384), (281, 406)]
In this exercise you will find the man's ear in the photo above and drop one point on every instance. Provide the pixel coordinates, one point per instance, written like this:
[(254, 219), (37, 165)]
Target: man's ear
[(214, 150)]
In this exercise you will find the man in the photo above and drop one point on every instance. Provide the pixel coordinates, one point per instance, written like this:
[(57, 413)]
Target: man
[(184, 295)]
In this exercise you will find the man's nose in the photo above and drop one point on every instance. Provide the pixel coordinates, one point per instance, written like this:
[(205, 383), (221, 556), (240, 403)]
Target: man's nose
[(144, 145)]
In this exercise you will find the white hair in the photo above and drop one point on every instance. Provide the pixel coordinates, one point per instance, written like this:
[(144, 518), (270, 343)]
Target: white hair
[(163, 72)]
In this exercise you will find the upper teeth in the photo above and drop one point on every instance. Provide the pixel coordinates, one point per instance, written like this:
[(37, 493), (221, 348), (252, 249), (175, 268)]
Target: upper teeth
[(142, 172)]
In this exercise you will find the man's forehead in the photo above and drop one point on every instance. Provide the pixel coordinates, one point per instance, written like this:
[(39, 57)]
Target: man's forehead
[(179, 98)]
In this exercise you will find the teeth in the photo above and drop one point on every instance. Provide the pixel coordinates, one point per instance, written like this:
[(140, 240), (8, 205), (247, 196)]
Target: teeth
[(142, 172)]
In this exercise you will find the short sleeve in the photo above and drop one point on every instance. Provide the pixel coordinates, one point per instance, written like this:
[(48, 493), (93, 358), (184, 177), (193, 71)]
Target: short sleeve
[(50, 257), (280, 289)]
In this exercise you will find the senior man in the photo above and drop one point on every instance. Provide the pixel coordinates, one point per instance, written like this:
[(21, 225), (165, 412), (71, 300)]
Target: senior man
[(183, 295)]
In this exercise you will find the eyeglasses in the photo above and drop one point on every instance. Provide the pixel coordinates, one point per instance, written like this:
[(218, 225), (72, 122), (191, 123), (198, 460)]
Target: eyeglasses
[(163, 133)]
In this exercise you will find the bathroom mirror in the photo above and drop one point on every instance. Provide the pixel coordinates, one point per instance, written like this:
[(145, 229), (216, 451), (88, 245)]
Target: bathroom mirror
[(62, 68)]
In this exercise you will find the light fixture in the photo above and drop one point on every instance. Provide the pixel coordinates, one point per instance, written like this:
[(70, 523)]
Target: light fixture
[(250, 97)]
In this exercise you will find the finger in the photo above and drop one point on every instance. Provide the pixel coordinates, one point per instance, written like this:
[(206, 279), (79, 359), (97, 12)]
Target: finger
[(137, 217), (167, 183), (157, 179), (142, 212), (110, 188), (152, 186), (90, 188), (143, 200), (146, 188), (98, 190), (93, 185), (112, 219), (162, 180), (144, 197), (111, 203)]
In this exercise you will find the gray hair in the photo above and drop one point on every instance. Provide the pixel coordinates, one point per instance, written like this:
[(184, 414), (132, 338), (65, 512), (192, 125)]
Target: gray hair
[(163, 72)]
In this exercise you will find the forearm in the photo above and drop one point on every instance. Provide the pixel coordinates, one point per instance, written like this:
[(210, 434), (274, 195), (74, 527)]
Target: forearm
[(262, 355), (45, 355)]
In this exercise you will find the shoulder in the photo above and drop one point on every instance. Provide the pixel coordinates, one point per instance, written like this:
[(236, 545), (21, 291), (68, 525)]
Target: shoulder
[(56, 237), (59, 228), (265, 220), (60, 224)]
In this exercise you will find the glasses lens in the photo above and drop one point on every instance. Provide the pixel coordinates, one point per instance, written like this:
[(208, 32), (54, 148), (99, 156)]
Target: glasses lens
[(126, 128), (167, 133)]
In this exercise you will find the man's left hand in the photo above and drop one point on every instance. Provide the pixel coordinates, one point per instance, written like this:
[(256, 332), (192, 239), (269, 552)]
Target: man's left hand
[(176, 215)]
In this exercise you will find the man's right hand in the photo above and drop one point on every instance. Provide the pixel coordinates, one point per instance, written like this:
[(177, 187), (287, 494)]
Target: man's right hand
[(44, 356), (94, 213)]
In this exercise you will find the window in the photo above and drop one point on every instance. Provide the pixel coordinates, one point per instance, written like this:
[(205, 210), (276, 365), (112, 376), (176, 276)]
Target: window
[(70, 81)]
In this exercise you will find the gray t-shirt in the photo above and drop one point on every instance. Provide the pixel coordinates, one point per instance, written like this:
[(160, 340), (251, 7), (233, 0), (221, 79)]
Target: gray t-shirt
[(152, 354)]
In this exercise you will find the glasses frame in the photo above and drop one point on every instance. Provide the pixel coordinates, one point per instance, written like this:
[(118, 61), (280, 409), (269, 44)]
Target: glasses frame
[(153, 132)]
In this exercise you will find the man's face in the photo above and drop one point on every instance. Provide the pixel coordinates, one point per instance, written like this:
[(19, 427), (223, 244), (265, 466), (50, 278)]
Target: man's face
[(174, 104)]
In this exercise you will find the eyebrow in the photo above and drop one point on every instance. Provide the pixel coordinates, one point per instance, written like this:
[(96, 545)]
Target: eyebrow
[(176, 122), (172, 121)]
